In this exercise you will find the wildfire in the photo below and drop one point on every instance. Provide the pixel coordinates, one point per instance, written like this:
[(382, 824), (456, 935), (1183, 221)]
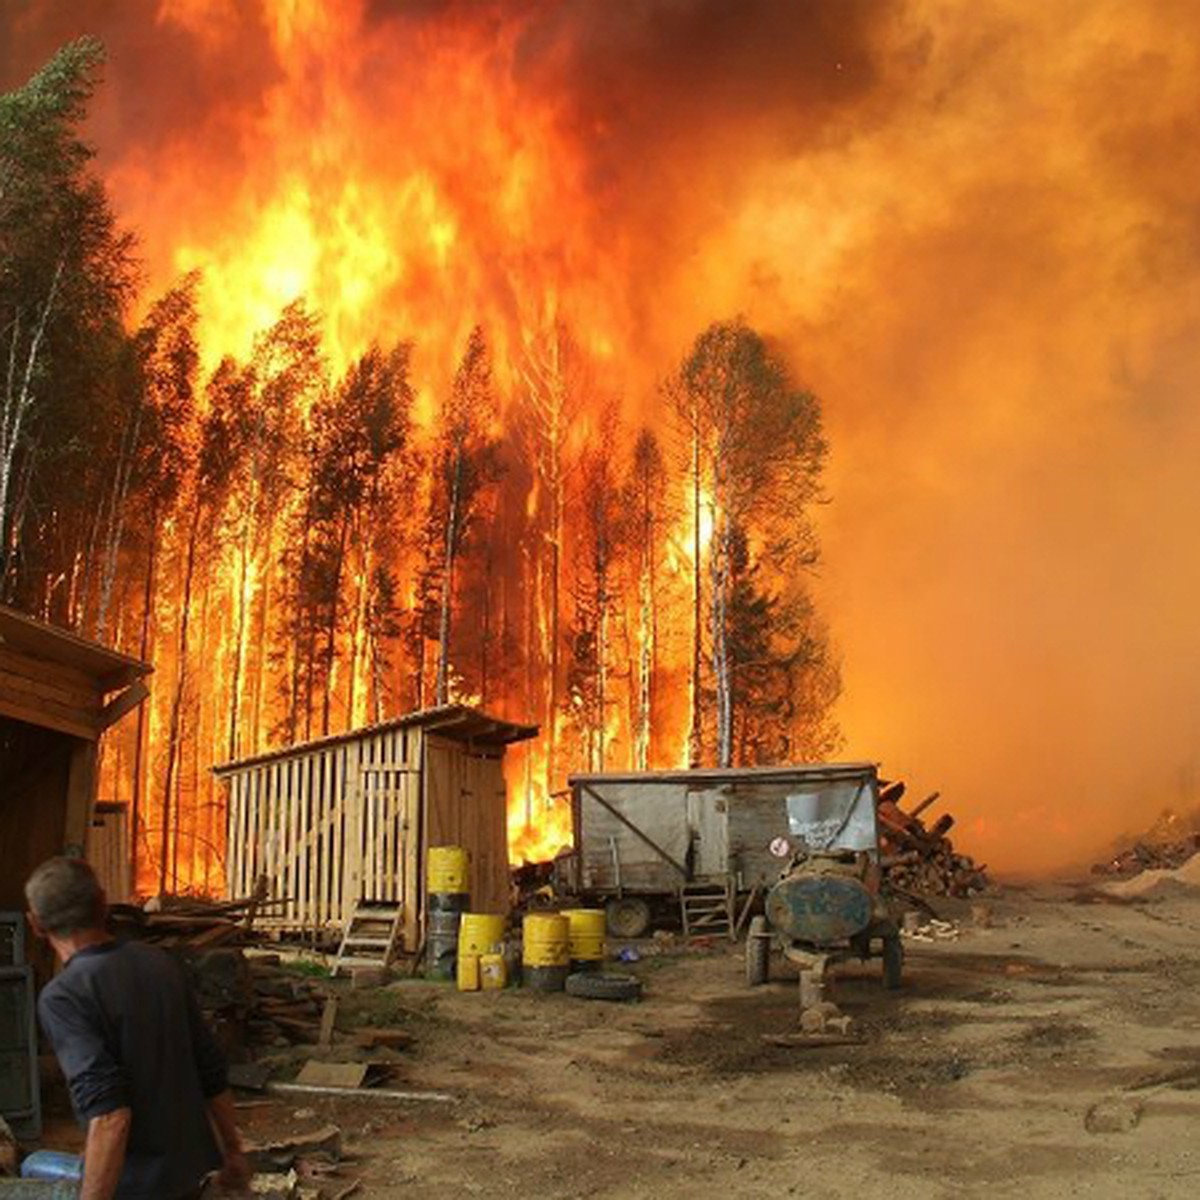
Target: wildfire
[(992, 289)]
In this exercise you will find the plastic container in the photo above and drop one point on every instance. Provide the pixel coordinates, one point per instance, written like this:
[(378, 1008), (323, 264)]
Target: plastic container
[(52, 1164), (480, 933), (493, 972), (468, 973)]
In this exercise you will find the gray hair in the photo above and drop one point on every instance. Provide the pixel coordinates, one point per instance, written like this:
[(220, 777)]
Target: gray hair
[(65, 896)]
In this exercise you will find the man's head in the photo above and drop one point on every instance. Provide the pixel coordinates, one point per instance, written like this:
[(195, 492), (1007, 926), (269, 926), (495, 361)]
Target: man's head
[(65, 899)]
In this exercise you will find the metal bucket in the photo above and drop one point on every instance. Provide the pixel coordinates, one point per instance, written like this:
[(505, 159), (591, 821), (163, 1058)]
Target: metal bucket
[(441, 945)]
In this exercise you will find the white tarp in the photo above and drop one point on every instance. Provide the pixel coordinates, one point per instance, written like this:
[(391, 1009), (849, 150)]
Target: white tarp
[(838, 816)]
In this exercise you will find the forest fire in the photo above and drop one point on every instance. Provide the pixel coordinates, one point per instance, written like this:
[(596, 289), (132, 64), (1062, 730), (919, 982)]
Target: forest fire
[(421, 382)]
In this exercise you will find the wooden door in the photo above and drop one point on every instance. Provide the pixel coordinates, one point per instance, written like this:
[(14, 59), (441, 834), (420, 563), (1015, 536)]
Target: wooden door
[(710, 833), (385, 820)]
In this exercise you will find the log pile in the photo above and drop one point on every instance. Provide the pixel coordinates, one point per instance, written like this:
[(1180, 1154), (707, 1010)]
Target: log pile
[(250, 993), (920, 859)]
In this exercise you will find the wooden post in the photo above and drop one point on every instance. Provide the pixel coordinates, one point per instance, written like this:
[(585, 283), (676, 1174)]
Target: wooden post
[(81, 792)]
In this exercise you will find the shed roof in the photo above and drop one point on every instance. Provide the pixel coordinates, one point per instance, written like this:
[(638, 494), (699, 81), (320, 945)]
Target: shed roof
[(725, 775), (455, 721), (36, 639)]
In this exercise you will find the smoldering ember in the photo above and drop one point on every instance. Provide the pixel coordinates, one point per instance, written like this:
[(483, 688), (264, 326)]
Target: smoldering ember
[(606, 591)]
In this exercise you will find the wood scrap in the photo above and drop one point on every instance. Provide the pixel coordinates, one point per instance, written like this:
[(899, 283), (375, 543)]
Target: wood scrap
[(919, 859), (368, 1093)]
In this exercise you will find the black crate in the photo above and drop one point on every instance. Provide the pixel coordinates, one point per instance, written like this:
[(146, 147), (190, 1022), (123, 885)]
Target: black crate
[(20, 1095), (12, 939)]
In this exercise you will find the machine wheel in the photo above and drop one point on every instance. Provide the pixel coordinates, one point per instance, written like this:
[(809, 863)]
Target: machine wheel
[(628, 917), (596, 985), (758, 953), (893, 960)]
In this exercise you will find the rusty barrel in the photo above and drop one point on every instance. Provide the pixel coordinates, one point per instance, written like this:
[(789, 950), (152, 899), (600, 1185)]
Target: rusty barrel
[(441, 944)]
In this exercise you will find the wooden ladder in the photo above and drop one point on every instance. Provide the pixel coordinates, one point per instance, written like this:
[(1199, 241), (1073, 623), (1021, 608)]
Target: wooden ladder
[(707, 908), (370, 936)]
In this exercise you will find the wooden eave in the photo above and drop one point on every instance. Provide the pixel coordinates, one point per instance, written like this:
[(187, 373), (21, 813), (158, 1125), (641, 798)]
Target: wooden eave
[(57, 680), (454, 721)]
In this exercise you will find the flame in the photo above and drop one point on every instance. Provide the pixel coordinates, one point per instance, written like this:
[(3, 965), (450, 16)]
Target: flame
[(992, 287)]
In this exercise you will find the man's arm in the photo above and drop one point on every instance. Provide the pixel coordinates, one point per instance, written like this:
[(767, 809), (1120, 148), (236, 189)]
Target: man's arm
[(104, 1154), (236, 1171)]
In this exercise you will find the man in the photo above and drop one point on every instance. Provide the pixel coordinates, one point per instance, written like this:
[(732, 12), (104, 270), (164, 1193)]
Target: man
[(145, 1076)]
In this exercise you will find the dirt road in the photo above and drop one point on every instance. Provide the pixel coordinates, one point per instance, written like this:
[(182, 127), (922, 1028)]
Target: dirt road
[(977, 1078)]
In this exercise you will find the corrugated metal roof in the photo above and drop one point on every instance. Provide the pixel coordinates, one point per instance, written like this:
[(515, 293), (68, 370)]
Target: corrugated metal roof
[(455, 721)]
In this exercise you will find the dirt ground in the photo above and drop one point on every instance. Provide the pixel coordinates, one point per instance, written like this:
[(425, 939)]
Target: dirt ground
[(1054, 1052)]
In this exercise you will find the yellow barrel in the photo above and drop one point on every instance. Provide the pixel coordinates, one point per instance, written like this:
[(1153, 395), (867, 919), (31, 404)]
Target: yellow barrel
[(468, 972), (448, 869), (585, 936), (493, 972), (480, 933), (545, 940)]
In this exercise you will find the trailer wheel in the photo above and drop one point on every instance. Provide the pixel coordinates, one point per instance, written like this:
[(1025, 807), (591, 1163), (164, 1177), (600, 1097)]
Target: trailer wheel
[(893, 961), (628, 917), (758, 953)]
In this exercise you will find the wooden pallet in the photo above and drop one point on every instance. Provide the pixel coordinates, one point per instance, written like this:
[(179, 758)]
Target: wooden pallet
[(370, 936), (707, 908)]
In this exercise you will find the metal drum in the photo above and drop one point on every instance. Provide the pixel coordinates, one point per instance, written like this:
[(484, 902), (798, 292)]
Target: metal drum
[(448, 870), (441, 944), (819, 909), (480, 933), (585, 937), (545, 952)]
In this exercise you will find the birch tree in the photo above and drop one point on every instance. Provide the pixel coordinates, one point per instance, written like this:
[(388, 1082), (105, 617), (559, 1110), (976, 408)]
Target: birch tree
[(66, 272), (760, 450)]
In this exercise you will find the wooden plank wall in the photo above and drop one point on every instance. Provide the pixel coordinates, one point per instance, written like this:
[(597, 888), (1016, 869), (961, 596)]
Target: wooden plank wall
[(660, 809), (465, 805), (108, 850), (329, 827)]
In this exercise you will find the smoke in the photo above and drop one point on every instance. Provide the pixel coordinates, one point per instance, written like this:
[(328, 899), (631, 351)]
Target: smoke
[(974, 230)]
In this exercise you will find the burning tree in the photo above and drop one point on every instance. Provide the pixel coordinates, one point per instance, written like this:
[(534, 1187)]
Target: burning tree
[(756, 453)]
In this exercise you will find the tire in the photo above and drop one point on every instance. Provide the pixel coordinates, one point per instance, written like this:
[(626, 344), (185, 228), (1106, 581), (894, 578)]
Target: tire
[(893, 961), (596, 985), (628, 917), (758, 953)]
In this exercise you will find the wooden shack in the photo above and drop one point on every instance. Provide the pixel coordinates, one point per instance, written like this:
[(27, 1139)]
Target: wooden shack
[(348, 818), (58, 694)]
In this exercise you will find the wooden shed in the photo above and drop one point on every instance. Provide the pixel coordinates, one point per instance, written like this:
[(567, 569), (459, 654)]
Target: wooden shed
[(58, 694), (348, 818)]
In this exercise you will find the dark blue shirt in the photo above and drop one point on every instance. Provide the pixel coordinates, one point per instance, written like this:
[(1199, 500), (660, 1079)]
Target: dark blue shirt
[(128, 1034)]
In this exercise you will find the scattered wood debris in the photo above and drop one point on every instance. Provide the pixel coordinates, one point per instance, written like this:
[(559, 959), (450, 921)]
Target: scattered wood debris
[(920, 859), (1167, 845)]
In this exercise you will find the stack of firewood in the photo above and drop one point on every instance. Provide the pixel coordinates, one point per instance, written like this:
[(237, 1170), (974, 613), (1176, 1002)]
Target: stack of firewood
[(921, 859), (252, 992)]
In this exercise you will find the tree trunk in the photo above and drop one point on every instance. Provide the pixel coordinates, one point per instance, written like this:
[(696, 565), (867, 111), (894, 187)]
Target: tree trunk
[(139, 747), (173, 733), (695, 740), (442, 688)]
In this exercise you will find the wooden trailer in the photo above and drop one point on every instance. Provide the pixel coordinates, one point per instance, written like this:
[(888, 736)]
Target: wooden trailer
[(701, 839), (347, 819)]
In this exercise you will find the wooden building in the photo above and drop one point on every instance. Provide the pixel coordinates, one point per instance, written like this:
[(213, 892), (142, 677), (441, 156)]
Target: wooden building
[(58, 694), (349, 818)]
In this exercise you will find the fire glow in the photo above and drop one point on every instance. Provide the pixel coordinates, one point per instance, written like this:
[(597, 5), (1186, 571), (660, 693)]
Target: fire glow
[(988, 276)]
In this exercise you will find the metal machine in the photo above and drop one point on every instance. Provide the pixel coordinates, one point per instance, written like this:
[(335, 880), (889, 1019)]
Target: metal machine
[(828, 905)]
